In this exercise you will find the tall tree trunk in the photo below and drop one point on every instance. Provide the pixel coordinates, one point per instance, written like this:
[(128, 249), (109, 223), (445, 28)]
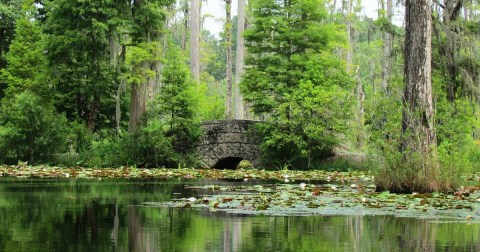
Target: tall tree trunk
[(118, 105), (228, 35), (116, 57), (387, 47), (240, 61), (92, 113), (451, 13), (361, 110), (138, 103), (138, 95), (195, 40), (334, 8), (156, 67), (349, 35), (185, 25), (418, 135)]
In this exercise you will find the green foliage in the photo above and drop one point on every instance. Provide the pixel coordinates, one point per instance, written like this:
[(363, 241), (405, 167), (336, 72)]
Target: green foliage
[(30, 130), (148, 18), (26, 53), (294, 80), (137, 57), (107, 150), (458, 152), (210, 105), (10, 11), (175, 105), (170, 130), (79, 59)]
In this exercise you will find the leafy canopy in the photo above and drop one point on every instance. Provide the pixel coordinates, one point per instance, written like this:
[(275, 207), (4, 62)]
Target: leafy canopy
[(293, 79)]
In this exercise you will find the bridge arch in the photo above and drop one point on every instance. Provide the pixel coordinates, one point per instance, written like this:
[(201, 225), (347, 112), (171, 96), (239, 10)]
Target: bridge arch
[(227, 142)]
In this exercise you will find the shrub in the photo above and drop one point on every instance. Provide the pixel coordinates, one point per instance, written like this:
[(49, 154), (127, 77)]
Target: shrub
[(29, 130)]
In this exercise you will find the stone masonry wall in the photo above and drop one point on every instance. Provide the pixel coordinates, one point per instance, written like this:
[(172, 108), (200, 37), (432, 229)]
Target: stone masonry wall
[(229, 138)]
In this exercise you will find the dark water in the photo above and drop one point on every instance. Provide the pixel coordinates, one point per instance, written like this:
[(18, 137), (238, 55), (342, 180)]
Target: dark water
[(108, 215)]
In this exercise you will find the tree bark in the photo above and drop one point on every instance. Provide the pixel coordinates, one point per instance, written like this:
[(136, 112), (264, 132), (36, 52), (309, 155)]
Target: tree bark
[(240, 60), (117, 57), (387, 47), (451, 13), (92, 114), (228, 35), (361, 110), (349, 36), (185, 25), (418, 135), (138, 100), (195, 40)]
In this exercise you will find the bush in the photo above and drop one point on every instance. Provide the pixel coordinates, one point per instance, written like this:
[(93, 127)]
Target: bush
[(456, 150), (29, 130), (106, 151), (146, 146), (305, 127)]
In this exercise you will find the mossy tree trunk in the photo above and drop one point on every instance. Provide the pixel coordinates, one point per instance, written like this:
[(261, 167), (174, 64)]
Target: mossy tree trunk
[(418, 134)]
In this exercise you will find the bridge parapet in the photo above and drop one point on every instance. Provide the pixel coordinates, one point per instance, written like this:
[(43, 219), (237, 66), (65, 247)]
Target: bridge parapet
[(227, 142)]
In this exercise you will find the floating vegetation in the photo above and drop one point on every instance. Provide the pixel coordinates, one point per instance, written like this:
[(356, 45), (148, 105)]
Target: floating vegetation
[(332, 199), (187, 173), (306, 193)]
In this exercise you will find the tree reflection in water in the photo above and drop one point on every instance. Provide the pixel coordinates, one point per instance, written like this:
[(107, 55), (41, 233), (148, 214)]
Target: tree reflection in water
[(108, 215)]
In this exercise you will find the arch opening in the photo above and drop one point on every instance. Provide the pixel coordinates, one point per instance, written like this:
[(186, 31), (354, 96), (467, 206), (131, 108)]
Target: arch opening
[(228, 163)]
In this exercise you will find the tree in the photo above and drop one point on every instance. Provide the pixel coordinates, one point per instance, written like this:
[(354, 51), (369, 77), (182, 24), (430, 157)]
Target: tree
[(10, 11), (348, 5), (456, 57), (228, 45), (185, 9), (418, 134), (293, 80), (171, 131), (195, 40), (30, 130), (240, 58), (27, 53), (79, 59), (148, 20), (138, 60), (386, 18), (451, 11)]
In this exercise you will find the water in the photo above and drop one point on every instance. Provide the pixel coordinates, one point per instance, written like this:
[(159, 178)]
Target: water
[(108, 215)]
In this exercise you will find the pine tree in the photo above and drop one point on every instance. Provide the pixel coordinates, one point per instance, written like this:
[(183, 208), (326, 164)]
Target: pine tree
[(293, 80), (27, 53)]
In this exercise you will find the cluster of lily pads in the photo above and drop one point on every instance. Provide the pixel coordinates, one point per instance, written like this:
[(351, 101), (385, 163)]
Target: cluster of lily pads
[(289, 193), (188, 173), (330, 199)]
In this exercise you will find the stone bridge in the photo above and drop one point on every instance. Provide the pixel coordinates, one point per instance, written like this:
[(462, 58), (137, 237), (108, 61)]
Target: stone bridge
[(227, 142)]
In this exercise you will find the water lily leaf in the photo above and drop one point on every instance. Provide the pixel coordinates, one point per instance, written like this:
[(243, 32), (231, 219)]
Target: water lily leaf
[(384, 195), (313, 205), (262, 207)]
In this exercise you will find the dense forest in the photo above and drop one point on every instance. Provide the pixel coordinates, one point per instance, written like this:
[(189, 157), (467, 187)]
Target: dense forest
[(111, 83)]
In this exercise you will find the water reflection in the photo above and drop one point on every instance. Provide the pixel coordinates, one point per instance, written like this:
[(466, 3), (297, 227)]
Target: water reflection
[(107, 215)]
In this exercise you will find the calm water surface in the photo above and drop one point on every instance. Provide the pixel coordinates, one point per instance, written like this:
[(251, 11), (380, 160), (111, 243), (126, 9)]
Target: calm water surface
[(108, 215)]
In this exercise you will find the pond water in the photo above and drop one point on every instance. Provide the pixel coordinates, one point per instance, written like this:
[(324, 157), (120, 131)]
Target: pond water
[(109, 215)]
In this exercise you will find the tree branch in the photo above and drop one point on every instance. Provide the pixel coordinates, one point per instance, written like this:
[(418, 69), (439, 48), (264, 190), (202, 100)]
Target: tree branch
[(439, 4)]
